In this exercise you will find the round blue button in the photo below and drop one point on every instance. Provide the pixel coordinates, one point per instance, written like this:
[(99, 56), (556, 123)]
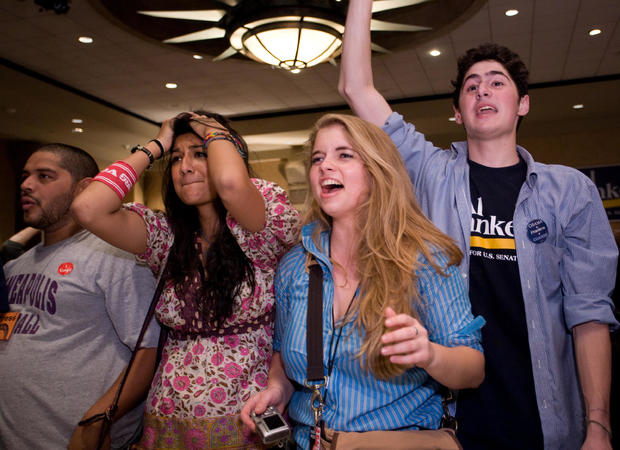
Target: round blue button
[(537, 231)]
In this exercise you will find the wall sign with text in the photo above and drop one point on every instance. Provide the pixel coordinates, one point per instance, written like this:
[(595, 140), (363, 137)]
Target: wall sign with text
[(607, 180)]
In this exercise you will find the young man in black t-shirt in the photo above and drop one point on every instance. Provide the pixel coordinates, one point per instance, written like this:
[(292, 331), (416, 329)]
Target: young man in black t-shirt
[(539, 254)]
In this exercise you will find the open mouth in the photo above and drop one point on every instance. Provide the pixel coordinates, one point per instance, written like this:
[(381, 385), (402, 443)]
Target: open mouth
[(27, 202), (329, 186), (485, 109)]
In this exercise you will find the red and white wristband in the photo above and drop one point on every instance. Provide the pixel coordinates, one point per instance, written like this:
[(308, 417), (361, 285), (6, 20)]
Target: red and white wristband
[(119, 176)]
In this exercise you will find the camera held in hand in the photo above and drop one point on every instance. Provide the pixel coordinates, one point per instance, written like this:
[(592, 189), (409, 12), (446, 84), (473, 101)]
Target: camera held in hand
[(271, 426)]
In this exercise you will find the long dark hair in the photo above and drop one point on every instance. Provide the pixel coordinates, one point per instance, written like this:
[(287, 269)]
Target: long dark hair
[(225, 264)]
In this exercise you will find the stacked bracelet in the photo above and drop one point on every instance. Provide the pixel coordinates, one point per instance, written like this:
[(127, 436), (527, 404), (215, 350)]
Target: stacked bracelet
[(161, 147), (146, 151), (218, 135), (120, 177)]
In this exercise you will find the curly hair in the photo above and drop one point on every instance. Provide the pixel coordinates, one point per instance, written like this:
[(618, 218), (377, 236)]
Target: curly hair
[(225, 265), (391, 241), (491, 52)]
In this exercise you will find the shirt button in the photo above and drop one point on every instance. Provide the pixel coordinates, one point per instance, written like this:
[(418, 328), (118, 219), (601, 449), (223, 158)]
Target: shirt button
[(464, 275)]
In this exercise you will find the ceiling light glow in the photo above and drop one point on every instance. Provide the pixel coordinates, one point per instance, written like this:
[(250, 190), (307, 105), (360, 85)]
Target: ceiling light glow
[(283, 37), (77, 130), (452, 119), (85, 40), (289, 42), (512, 12), (197, 57), (171, 85), (578, 106), (594, 32), (76, 121), (434, 52)]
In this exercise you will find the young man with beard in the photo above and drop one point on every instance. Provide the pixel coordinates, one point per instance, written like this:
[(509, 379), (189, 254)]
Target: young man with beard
[(540, 257), (81, 304)]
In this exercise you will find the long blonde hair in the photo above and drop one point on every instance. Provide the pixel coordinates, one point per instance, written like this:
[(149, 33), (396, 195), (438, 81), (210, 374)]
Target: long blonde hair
[(393, 233)]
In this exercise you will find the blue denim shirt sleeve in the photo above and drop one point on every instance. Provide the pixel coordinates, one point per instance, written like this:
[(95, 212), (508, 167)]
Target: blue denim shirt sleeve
[(421, 156), (280, 284), (588, 269), (445, 309)]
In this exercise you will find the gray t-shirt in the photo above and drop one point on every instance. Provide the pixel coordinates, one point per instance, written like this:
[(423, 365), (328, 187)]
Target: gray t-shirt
[(82, 305)]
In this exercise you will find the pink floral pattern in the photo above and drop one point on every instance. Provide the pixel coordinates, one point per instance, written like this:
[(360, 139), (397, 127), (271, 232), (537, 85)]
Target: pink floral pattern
[(209, 432), (210, 378)]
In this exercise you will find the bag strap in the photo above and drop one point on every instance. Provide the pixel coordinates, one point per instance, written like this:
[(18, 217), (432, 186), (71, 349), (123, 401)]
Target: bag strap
[(314, 323), (314, 340), (109, 413)]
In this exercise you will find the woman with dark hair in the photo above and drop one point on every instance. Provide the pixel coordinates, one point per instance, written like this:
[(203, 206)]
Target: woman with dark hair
[(216, 248)]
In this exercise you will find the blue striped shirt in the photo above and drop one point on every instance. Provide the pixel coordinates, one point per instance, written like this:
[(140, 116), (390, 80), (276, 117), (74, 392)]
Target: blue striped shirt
[(357, 401)]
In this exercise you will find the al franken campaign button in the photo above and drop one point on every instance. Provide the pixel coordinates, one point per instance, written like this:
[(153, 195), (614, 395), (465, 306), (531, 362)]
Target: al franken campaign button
[(537, 231)]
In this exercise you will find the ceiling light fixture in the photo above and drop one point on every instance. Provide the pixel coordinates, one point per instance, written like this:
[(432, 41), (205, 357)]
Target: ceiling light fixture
[(452, 119), (578, 106), (197, 56), (76, 121), (77, 130), (512, 12), (289, 34), (434, 52), (171, 85), (594, 32), (85, 39)]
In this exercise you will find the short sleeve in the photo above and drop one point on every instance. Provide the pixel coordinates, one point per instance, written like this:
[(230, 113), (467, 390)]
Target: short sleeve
[(280, 232), (159, 238)]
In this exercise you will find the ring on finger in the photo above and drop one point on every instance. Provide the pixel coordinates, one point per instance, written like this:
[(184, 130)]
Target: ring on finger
[(417, 332)]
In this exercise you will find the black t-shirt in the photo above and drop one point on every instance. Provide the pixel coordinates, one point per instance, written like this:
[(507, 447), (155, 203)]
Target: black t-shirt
[(502, 413)]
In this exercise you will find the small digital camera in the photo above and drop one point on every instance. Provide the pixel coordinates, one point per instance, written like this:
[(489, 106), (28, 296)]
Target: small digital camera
[(271, 426)]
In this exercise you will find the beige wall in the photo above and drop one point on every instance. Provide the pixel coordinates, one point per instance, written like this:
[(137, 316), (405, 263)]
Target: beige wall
[(552, 132)]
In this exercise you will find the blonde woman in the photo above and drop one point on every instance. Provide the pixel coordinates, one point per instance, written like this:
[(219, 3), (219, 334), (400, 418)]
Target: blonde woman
[(396, 315)]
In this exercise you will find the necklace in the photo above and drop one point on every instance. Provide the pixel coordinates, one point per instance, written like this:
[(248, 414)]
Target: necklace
[(334, 349)]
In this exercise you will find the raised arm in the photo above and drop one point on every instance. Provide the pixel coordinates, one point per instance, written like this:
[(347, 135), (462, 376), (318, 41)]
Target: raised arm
[(356, 84), (230, 178), (98, 207)]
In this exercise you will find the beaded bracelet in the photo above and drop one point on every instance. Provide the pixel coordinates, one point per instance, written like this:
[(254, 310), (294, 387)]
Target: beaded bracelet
[(218, 135), (146, 151)]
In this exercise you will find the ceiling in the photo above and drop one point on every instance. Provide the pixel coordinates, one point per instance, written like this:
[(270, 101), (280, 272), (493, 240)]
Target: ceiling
[(116, 84)]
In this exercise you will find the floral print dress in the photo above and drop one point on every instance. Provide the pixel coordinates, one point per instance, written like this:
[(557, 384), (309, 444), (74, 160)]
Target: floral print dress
[(205, 376)]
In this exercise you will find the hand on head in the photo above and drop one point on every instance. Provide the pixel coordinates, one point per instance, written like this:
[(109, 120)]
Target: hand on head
[(165, 135), (204, 125), (406, 341)]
